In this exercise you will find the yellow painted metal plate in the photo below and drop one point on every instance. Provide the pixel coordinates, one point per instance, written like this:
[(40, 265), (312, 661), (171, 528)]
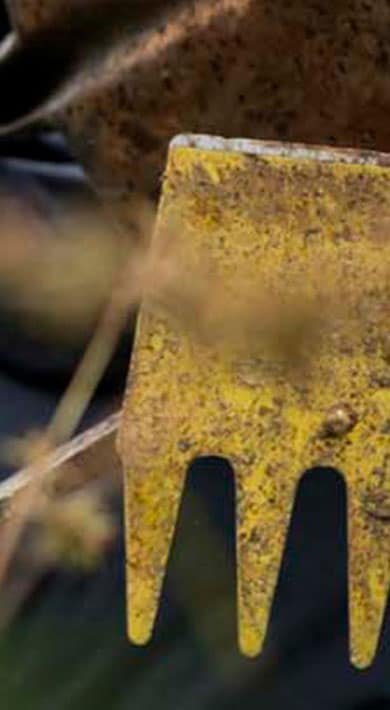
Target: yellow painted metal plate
[(293, 220)]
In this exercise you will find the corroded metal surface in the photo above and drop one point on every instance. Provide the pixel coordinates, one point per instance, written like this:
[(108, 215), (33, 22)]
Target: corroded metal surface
[(282, 215), (125, 76)]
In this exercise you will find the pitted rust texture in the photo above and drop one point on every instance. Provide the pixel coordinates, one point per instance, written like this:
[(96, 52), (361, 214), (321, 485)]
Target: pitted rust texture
[(316, 72), (275, 217)]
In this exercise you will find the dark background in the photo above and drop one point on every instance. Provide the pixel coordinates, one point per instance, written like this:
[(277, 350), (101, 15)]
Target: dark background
[(67, 648)]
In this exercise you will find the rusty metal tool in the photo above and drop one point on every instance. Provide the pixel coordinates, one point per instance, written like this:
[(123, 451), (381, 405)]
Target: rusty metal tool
[(124, 76), (285, 215)]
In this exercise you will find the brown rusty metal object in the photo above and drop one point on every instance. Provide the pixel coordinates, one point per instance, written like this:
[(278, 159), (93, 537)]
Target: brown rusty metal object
[(124, 76)]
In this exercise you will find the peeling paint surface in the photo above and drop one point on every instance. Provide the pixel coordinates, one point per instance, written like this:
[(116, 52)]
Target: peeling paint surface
[(283, 218)]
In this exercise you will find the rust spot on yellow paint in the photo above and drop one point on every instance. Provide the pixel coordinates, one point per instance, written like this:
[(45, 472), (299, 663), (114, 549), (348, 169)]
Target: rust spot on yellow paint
[(284, 216)]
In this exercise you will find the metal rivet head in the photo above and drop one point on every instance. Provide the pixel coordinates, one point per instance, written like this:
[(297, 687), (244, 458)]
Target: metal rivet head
[(339, 420)]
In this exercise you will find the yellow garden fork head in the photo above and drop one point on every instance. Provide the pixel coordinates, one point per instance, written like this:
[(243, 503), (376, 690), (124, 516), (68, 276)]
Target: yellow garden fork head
[(122, 88), (283, 215)]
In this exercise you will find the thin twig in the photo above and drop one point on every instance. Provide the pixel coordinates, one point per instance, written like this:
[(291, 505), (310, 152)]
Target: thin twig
[(69, 412), (69, 453)]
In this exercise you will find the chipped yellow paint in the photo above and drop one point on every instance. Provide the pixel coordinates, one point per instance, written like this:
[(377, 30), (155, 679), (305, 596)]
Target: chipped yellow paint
[(282, 215)]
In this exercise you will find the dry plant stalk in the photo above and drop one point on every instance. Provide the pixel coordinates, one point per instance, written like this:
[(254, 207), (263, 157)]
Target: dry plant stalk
[(75, 400)]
